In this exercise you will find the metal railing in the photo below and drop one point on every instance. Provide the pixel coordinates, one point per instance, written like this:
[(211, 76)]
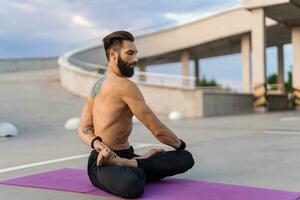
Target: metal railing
[(92, 67), (142, 77), (164, 79)]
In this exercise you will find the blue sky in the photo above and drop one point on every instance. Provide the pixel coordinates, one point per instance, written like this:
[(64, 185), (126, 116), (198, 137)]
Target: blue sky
[(49, 28), (39, 28)]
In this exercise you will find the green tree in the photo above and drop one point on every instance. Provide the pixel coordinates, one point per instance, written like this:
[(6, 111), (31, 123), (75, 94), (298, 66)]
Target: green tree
[(204, 82), (272, 79)]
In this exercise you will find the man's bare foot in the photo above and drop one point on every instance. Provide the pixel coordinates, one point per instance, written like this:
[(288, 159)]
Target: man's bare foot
[(114, 160), (150, 153), (118, 161)]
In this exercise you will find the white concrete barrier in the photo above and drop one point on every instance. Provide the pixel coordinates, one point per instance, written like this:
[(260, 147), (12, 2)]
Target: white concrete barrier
[(175, 115), (72, 123), (8, 130)]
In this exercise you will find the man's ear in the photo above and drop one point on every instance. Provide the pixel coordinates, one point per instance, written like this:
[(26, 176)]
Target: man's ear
[(112, 54)]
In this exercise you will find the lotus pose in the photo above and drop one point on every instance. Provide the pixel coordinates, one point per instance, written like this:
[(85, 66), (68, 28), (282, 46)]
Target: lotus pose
[(106, 124)]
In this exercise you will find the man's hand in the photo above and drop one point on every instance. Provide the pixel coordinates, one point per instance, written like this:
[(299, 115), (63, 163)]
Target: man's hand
[(107, 153), (103, 154)]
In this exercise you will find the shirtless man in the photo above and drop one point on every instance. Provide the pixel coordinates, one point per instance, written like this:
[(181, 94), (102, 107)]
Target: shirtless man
[(106, 123)]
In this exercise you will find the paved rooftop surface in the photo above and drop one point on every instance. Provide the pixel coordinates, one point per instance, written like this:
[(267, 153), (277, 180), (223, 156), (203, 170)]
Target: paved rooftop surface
[(260, 150)]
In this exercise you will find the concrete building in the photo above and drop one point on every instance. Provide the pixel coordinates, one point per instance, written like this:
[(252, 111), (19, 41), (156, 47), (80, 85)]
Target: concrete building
[(249, 29)]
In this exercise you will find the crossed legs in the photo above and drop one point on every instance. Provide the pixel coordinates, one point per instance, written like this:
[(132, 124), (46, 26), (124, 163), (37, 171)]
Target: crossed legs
[(126, 177)]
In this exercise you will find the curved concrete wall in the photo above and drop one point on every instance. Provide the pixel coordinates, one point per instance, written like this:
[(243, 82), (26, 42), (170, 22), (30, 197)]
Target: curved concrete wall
[(77, 82), (94, 55), (190, 102), (73, 77)]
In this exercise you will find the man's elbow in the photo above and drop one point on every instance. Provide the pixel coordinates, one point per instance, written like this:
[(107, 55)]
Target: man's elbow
[(79, 133)]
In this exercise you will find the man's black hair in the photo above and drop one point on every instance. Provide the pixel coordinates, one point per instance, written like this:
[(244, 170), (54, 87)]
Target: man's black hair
[(115, 41)]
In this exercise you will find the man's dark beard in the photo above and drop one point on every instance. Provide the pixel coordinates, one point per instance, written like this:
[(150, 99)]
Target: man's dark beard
[(125, 68)]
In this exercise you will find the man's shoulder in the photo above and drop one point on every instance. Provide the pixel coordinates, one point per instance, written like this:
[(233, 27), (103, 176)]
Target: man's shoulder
[(126, 87), (125, 83)]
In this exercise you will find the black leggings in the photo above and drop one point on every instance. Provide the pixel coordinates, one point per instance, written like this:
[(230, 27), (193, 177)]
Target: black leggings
[(129, 182)]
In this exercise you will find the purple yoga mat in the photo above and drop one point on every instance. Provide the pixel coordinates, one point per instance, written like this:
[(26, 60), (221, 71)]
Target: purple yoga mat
[(76, 180)]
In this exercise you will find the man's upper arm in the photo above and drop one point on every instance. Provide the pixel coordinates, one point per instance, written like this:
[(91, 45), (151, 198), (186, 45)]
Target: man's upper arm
[(86, 118), (133, 97)]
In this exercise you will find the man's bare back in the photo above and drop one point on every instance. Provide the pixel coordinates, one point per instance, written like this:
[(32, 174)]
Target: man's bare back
[(112, 117)]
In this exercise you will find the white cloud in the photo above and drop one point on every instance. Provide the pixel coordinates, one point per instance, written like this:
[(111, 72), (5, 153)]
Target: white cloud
[(182, 18), (82, 21)]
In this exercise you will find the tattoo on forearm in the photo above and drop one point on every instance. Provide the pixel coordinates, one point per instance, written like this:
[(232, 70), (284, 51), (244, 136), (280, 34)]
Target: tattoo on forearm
[(88, 130)]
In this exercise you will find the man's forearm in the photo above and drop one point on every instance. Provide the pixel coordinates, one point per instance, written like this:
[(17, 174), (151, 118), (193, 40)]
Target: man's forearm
[(159, 130), (167, 137), (86, 134)]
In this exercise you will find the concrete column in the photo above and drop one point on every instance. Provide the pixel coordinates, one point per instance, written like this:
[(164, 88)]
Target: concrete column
[(296, 64), (185, 58), (258, 38), (280, 77), (142, 77), (246, 59), (197, 80)]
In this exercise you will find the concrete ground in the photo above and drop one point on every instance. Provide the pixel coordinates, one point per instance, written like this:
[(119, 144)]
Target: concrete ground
[(260, 150)]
